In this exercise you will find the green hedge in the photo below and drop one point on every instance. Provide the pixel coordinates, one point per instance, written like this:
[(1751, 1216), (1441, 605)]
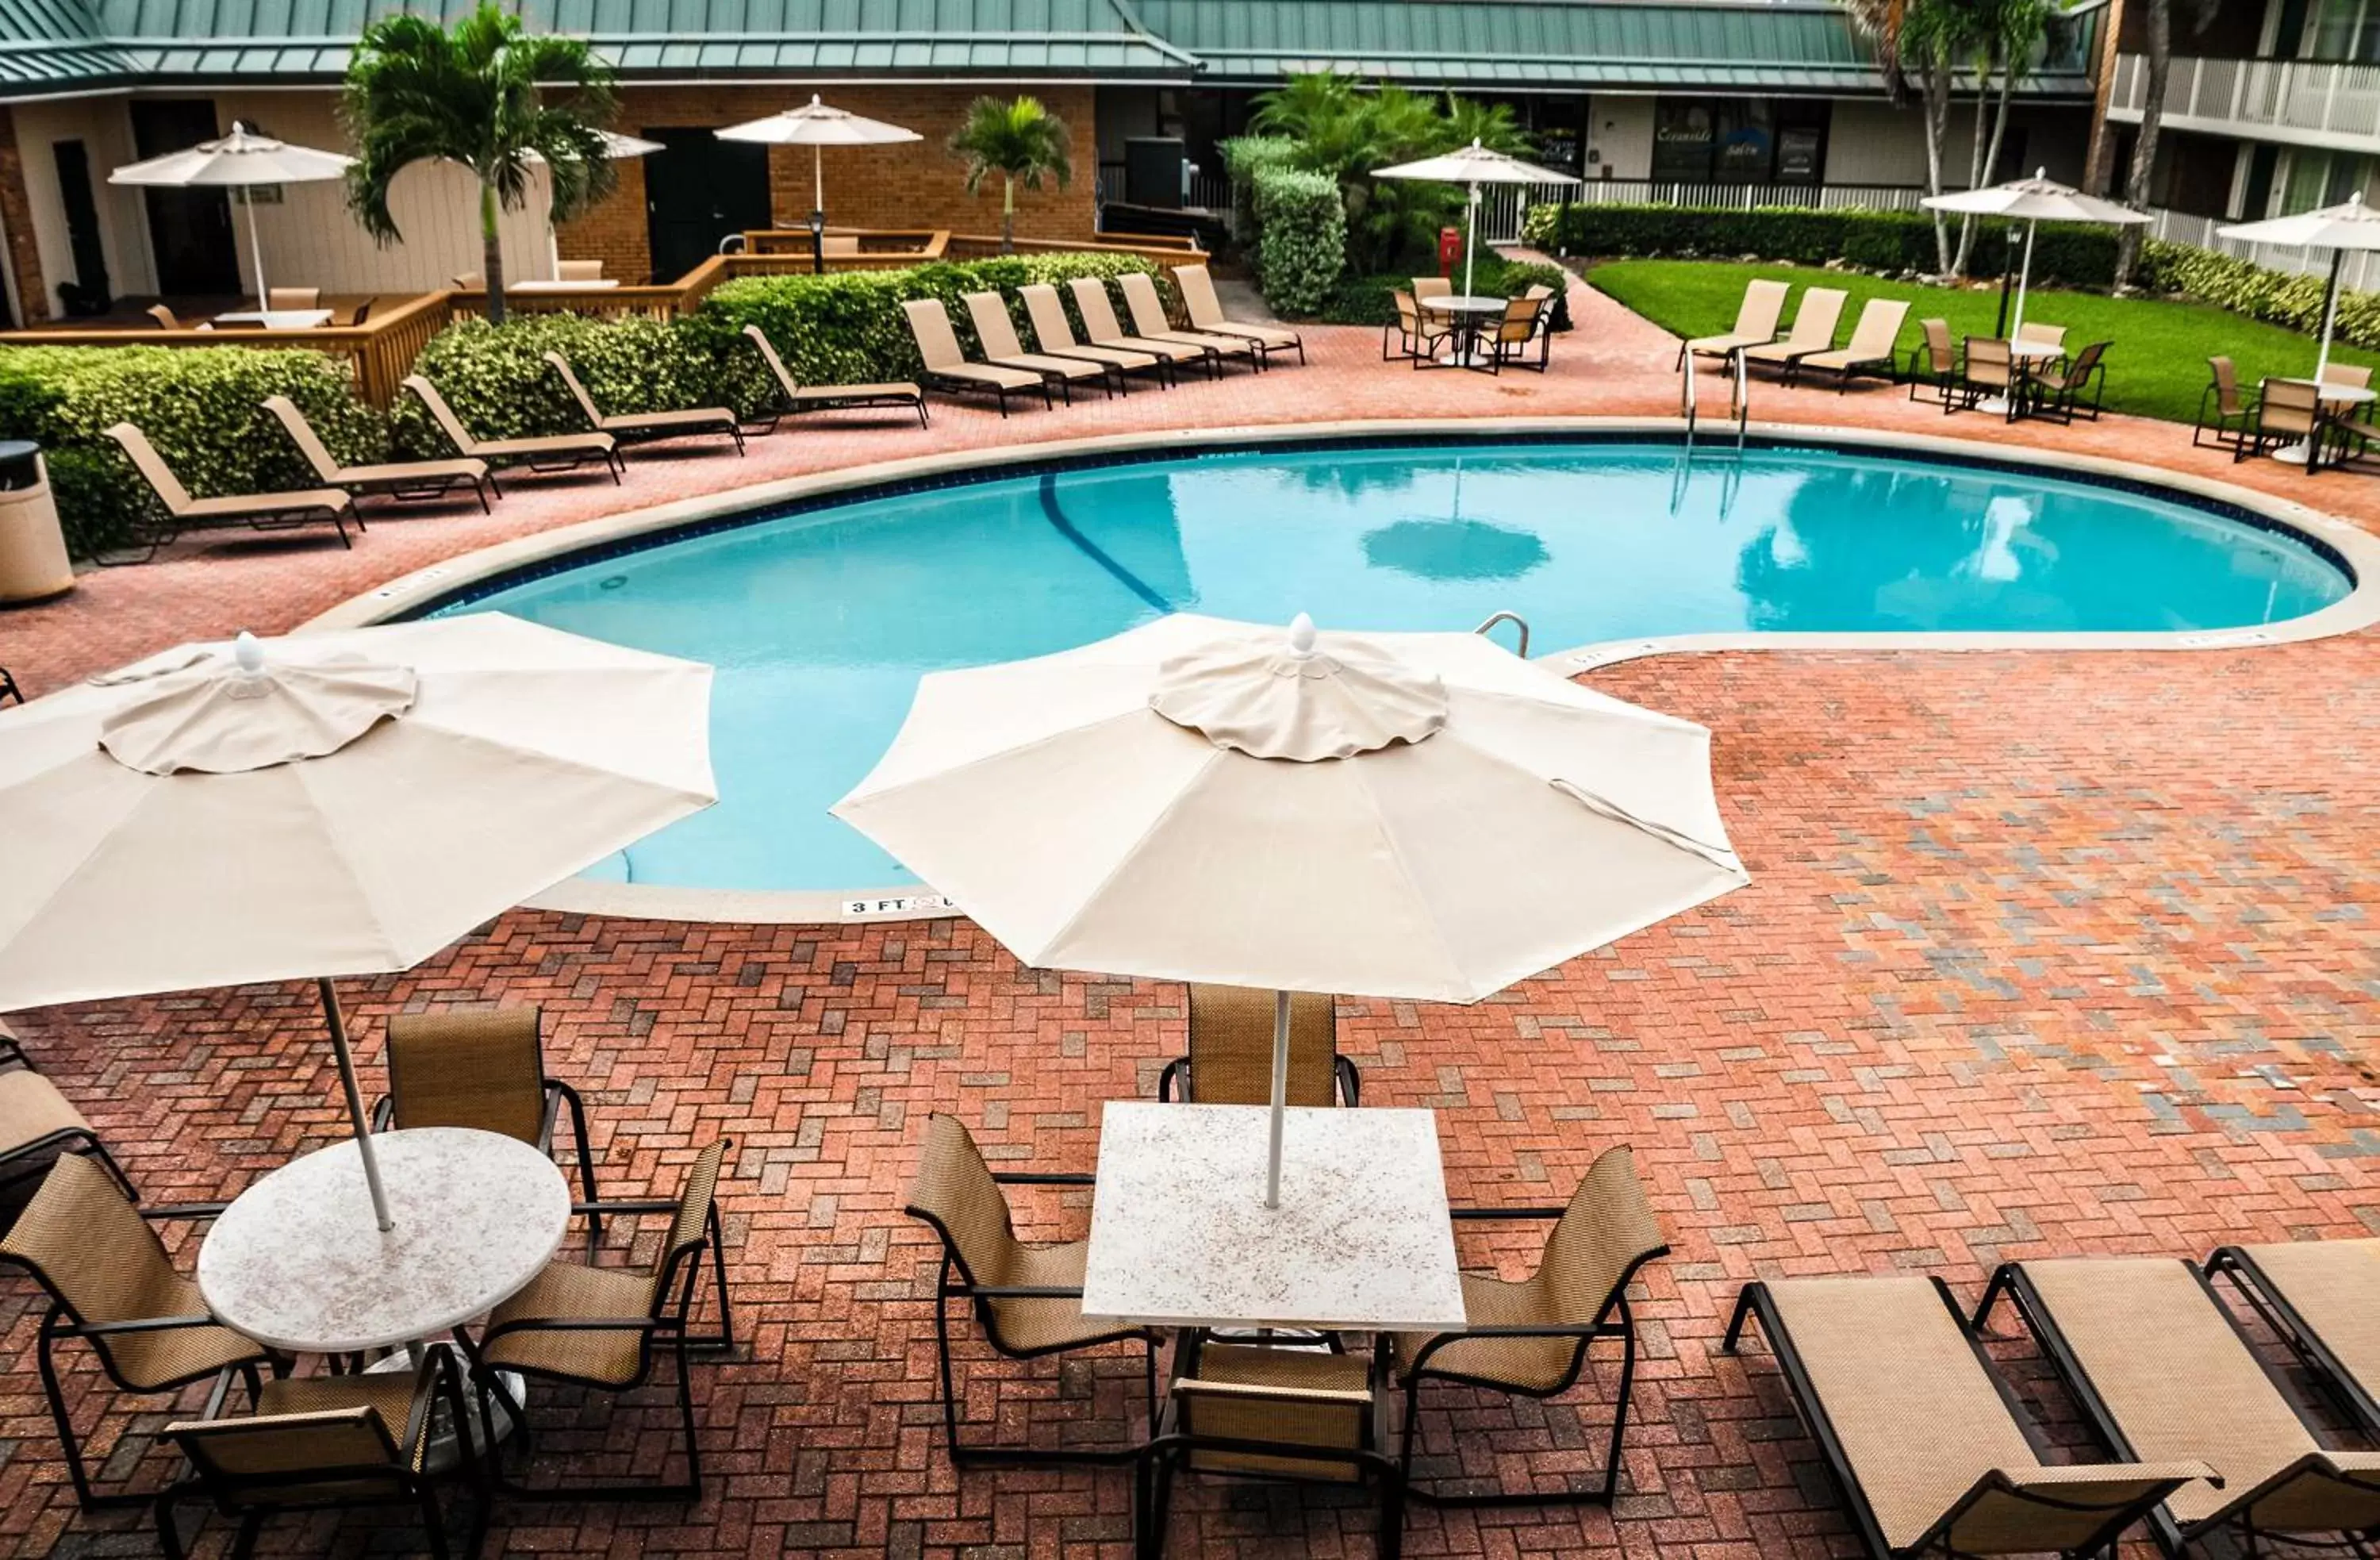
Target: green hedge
[(1244, 158), (1886, 242), (2276, 296), (1302, 242), (203, 408), (1365, 300)]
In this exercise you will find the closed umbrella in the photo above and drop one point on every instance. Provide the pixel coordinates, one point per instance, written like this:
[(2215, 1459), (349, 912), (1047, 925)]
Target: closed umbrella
[(1473, 165), (243, 160), (1403, 815), (2033, 201), (818, 126), (331, 804)]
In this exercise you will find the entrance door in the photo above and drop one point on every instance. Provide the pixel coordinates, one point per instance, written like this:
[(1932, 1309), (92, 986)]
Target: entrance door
[(700, 189), (89, 295), (189, 230)]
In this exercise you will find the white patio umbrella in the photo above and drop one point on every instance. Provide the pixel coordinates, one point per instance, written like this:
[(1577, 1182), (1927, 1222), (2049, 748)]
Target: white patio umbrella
[(2034, 201), (615, 147), (244, 160), (1400, 815), (2349, 225), (818, 126), (330, 804), (1473, 165)]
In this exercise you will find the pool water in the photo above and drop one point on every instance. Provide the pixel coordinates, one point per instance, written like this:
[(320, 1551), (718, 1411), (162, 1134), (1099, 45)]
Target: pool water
[(822, 622)]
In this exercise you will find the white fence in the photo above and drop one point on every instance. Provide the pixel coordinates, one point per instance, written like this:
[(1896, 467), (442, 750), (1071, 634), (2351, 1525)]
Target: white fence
[(2360, 274), (2338, 102)]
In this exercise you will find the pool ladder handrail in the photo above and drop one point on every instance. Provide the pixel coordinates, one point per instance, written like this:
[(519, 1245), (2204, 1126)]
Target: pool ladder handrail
[(1517, 621), (1738, 407)]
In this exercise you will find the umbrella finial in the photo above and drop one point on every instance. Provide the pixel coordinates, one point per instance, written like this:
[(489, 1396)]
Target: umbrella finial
[(248, 653), (1301, 636)]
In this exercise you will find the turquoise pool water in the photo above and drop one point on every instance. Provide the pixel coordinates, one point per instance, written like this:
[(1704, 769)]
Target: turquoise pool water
[(822, 622)]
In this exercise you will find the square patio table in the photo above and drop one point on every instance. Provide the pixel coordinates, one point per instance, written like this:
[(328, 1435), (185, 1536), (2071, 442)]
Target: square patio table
[(1181, 1237), (276, 319)]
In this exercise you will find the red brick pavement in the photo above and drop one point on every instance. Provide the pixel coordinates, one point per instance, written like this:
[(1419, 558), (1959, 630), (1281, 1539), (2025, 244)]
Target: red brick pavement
[(2041, 954)]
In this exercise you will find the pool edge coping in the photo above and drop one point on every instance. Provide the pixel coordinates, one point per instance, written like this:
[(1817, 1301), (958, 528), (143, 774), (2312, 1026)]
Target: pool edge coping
[(2357, 610)]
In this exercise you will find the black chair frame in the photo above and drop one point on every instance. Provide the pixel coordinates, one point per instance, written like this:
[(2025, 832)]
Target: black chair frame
[(1615, 1320), (670, 1328), (2275, 1310), (1177, 1076), (948, 386), (34, 1156), (2213, 421)]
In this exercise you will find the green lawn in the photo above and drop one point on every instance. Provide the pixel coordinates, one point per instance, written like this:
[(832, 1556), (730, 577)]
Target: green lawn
[(2156, 366)]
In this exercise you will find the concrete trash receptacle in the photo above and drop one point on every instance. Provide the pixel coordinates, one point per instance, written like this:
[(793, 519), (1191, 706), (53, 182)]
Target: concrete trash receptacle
[(33, 563)]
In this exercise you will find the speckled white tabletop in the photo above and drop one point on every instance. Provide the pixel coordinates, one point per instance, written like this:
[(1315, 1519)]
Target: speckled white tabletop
[(297, 1261), (1181, 1237)]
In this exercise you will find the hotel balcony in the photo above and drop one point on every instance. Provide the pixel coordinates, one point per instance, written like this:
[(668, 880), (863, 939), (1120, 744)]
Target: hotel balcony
[(2297, 102)]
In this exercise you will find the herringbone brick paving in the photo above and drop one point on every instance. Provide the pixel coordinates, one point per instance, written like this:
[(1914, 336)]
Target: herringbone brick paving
[(2041, 954)]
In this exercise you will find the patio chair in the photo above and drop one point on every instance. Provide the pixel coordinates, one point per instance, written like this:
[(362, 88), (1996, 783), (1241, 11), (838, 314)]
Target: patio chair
[(1055, 334), (1150, 322), (110, 1283), (166, 319), (2288, 411), (1416, 331), (1027, 1298), (1268, 1412), (1228, 1060), (646, 427), (1531, 1338), (2353, 377), (1986, 370), (257, 511), (577, 270), (1875, 345), (1206, 312), (484, 1069), (1755, 324), (796, 398), (2162, 1373), (2223, 411), (362, 311), (2321, 1297), (551, 453), (37, 1123), (470, 281), (280, 299), (1933, 362), (1432, 286), (988, 313), (1923, 1437), (2045, 335), (10, 691), (605, 1327), (946, 367), (1510, 339), (326, 1443), (400, 480), (1099, 324), (1813, 332), (2062, 391)]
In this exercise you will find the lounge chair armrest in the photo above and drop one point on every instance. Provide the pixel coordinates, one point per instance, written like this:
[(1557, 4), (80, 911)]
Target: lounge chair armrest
[(575, 1324), (1021, 1291), (1041, 1178), (144, 1324), (193, 1211), (634, 1205)]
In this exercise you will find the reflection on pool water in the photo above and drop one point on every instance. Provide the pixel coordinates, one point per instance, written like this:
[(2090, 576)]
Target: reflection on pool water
[(821, 623)]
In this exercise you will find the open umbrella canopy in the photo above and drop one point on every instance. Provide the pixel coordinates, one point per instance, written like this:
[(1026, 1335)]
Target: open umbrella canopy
[(244, 157), (2350, 225), (2039, 199), (1399, 815), (817, 124), (1474, 165)]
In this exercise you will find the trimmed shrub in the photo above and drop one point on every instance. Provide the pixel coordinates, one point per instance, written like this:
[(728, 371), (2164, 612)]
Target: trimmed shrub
[(2278, 297), (846, 327), (1244, 158), (1365, 301), (1889, 242), (1302, 246), (202, 406)]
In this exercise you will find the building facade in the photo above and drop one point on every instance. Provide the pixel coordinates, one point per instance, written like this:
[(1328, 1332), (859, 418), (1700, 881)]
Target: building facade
[(1678, 99)]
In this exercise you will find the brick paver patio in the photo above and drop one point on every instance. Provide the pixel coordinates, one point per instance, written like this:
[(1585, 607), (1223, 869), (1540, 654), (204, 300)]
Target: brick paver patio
[(2042, 954)]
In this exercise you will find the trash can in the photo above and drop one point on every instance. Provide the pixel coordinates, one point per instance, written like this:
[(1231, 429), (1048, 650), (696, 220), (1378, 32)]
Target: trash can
[(33, 564)]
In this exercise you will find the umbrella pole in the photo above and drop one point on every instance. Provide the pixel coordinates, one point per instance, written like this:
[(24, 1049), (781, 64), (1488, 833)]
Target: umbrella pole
[(355, 1102), (2023, 280), (817, 211), (2329, 315), (255, 249), (1280, 1095), (1470, 237)]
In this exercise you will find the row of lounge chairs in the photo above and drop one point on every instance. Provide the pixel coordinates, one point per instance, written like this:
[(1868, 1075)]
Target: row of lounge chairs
[(1809, 346), (1926, 1440)]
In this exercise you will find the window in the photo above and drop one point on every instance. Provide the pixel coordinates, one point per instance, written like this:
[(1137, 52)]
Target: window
[(1739, 140), (2342, 29), (2311, 180)]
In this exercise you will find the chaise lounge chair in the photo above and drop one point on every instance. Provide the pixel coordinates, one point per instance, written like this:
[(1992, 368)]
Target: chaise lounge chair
[(947, 367), (1206, 312), (988, 312), (1150, 322), (1873, 347), (800, 398), (555, 452), (259, 511), (1923, 1437), (1755, 324), (1100, 322), (1813, 332), (2323, 1298), (1055, 334), (397, 479), (644, 427), (2163, 1372)]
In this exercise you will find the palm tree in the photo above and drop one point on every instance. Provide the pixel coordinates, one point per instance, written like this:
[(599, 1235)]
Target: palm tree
[(2010, 34), (489, 95), (1020, 140)]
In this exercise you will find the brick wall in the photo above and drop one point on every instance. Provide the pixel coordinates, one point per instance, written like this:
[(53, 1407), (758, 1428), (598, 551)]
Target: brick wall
[(16, 214), (917, 184)]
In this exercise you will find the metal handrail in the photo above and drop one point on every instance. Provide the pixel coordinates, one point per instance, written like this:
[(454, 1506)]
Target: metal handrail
[(1742, 409), (1517, 621)]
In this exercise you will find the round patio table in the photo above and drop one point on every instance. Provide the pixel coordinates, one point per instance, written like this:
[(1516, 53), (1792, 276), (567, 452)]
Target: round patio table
[(2020, 352), (2333, 397), (1469, 316)]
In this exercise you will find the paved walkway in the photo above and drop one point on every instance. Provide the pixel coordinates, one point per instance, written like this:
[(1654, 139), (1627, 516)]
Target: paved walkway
[(2041, 954)]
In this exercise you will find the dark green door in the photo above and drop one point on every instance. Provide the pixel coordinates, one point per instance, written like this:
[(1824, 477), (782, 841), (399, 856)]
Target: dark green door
[(700, 189)]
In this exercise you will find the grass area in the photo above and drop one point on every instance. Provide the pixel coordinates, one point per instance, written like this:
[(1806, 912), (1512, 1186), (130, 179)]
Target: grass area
[(2156, 368)]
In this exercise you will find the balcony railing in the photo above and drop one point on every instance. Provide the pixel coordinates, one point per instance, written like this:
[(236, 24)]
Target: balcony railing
[(2360, 272), (2301, 101)]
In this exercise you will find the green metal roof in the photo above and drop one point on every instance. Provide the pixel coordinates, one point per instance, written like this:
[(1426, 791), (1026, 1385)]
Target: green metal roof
[(1797, 47)]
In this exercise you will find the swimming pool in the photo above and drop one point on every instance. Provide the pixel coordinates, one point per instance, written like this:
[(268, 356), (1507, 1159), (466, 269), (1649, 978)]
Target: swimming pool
[(821, 621)]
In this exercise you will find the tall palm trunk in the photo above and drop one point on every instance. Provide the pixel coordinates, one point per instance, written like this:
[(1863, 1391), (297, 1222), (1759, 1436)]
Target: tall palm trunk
[(1987, 157), (1008, 213), (491, 253), (2158, 24), (1937, 130)]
